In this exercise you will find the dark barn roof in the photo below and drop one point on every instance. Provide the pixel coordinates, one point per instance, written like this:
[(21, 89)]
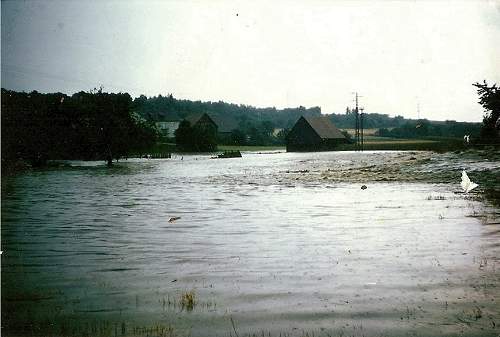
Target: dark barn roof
[(194, 118), (202, 118), (324, 127)]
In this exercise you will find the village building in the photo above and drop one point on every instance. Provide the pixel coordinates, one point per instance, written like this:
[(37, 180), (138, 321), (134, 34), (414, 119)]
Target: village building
[(314, 134), (200, 136), (167, 123), (167, 128), (202, 121)]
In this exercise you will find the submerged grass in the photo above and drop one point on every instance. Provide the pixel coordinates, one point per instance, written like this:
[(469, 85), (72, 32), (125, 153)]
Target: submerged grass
[(436, 197), (187, 300), (74, 327)]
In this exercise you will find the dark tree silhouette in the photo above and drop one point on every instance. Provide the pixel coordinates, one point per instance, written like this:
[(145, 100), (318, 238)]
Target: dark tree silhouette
[(489, 98), (184, 136), (95, 125)]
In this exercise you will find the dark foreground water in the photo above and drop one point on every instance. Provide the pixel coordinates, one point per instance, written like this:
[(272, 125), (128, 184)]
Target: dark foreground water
[(278, 243)]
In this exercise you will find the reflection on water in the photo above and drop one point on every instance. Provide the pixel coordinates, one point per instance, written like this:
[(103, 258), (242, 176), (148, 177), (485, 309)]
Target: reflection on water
[(268, 243)]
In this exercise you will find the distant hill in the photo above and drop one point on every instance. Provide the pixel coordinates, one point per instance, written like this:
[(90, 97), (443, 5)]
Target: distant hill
[(168, 108)]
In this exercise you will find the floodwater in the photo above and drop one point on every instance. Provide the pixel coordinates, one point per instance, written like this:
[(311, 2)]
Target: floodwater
[(269, 244)]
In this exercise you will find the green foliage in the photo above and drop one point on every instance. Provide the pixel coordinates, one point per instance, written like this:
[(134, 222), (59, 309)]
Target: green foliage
[(160, 107), (489, 98), (370, 120), (423, 128), (255, 125), (95, 125), (183, 136), (238, 137), (252, 133)]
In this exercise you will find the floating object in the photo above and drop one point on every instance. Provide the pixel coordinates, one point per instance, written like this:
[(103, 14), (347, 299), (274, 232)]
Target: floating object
[(174, 218), (466, 183), (364, 187), (230, 154)]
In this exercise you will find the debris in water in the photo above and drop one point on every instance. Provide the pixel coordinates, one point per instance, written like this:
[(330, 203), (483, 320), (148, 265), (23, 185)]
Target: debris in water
[(230, 154), (364, 187), (174, 218), (467, 184)]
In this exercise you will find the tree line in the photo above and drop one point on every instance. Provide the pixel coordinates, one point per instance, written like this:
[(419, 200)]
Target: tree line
[(169, 108), (255, 126), (487, 133), (97, 125), (424, 128), (92, 125)]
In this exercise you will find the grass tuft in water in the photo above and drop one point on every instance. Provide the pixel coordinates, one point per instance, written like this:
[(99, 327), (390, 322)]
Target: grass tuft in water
[(437, 197), (187, 300)]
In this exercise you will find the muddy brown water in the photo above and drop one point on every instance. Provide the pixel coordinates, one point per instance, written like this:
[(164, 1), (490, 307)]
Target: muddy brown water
[(273, 244)]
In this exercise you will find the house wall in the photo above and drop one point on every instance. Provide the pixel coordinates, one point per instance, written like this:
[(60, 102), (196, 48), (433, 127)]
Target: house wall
[(302, 137), (168, 128)]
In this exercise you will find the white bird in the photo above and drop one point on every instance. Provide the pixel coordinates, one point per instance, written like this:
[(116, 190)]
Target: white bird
[(466, 184)]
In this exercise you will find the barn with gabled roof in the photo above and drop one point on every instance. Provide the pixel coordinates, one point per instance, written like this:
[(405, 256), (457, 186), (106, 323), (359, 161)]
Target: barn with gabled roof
[(314, 134)]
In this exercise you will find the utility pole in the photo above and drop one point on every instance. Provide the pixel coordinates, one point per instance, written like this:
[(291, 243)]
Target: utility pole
[(358, 125), (361, 126), (418, 107)]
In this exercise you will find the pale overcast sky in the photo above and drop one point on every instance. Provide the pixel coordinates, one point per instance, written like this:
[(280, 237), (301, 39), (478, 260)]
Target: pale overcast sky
[(284, 54)]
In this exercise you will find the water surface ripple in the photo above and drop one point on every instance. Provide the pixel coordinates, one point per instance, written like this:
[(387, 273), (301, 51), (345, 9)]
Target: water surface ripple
[(276, 243)]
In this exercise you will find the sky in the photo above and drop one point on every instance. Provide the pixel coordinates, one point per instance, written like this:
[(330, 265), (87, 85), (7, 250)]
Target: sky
[(410, 57)]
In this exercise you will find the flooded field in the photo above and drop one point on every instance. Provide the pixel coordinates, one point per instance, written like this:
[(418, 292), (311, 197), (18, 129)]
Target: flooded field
[(279, 244)]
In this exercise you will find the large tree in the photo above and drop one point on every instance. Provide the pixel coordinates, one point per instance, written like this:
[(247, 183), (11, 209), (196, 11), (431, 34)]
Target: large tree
[(489, 98), (184, 136), (93, 125)]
